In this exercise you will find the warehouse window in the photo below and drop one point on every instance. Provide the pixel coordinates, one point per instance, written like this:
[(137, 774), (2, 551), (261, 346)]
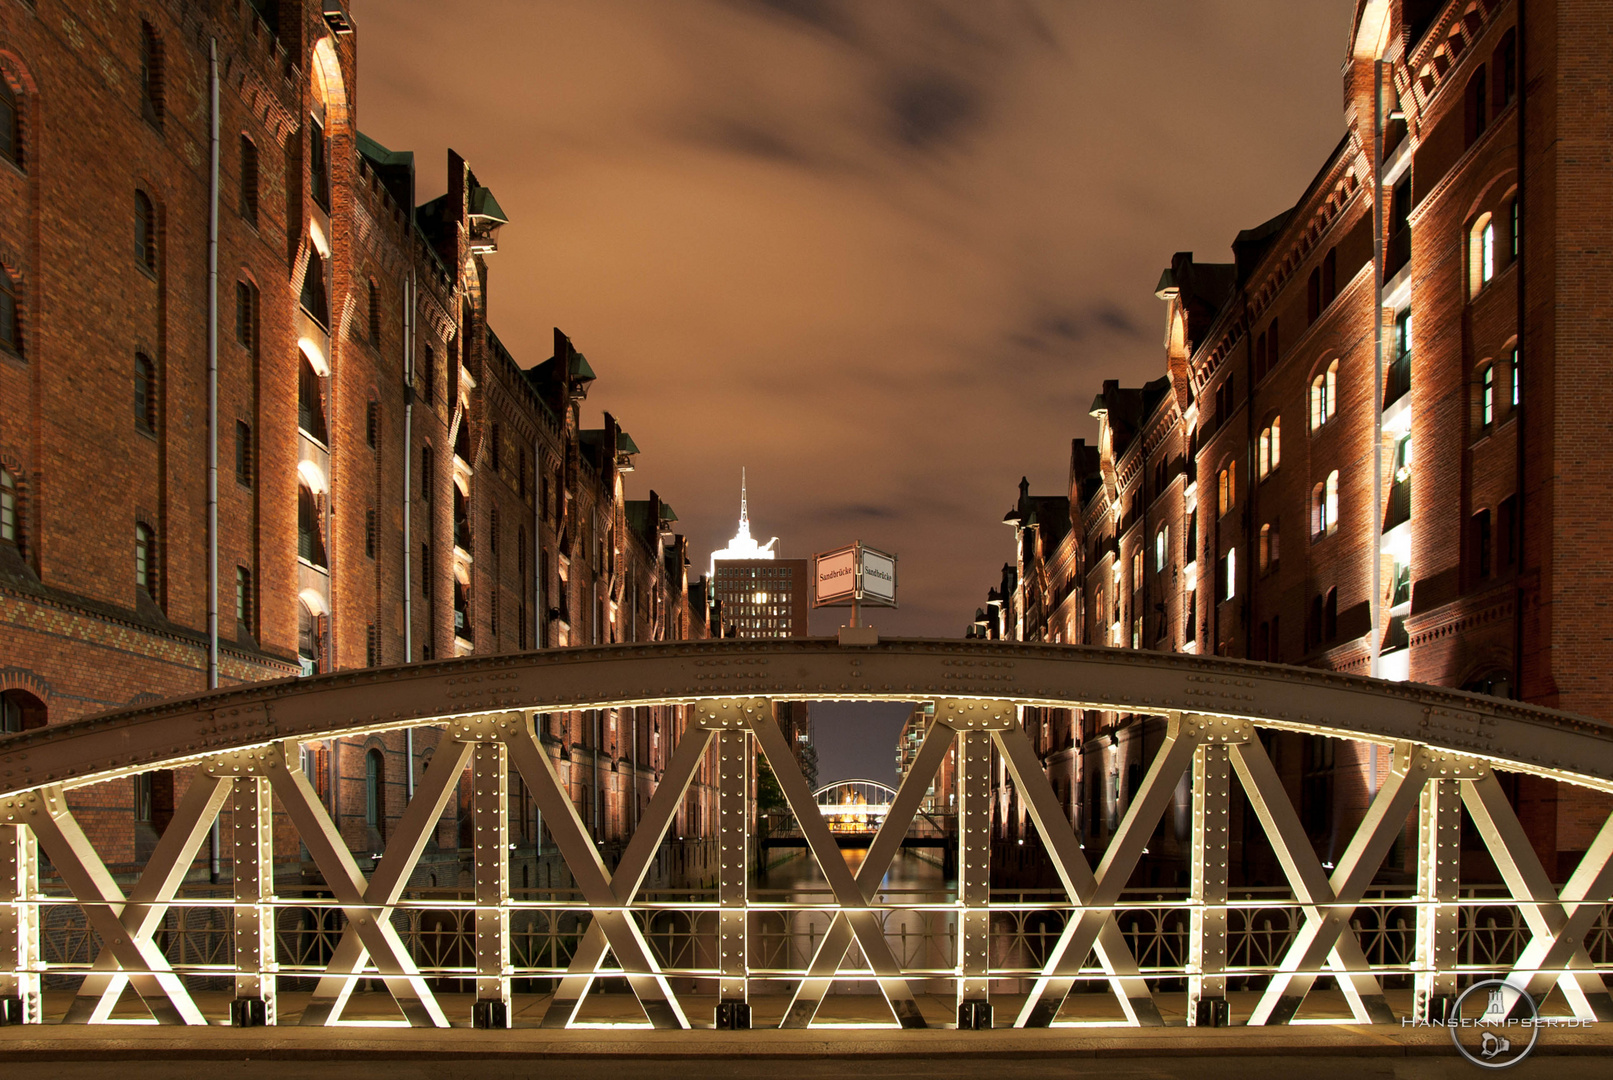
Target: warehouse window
[(249, 181), (243, 598), (243, 453), (145, 392), (1325, 507), (150, 74), (310, 538), (145, 559), (1486, 381), (1481, 254), (10, 125), (145, 231), (10, 517), (1324, 396), (374, 789), (375, 314), (10, 322)]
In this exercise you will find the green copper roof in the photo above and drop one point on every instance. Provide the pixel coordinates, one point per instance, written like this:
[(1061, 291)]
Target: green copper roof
[(380, 155), (625, 443), (579, 367), (483, 205)]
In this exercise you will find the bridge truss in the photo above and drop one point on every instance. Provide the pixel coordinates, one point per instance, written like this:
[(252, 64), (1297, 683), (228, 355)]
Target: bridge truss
[(244, 746)]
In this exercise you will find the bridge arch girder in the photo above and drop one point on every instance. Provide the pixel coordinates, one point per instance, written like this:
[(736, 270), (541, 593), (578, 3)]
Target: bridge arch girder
[(1509, 735)]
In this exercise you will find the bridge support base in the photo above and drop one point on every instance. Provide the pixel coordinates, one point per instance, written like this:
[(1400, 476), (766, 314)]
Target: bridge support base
[(1212, 1012), (732, 1016), (974, 1016), (249, 1013), (491, 1015)]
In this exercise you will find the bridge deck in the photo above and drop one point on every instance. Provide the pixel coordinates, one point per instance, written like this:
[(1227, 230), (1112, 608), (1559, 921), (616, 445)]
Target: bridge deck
[(855, 1016)]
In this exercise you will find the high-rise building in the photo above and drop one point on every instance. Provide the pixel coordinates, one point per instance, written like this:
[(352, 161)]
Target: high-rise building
[(759, 595)]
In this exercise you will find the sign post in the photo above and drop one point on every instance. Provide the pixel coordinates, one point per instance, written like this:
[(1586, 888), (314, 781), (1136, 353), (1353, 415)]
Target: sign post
[(854, 576)]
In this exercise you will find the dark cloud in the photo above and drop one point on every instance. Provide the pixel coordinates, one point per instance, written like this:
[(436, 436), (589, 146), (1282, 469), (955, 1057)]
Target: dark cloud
[(880, 253), (931, 109)]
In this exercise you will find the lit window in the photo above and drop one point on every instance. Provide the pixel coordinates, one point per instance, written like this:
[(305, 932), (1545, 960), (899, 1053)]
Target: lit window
[(1232, 574), (1227, 490), (145, 559), (1517, 378), (1265, 548), (1162, 547), (1487, 396), (9, 529), (1263, 453), (1276, 442), (1325, 506), (1330, 504), (1481, 254)]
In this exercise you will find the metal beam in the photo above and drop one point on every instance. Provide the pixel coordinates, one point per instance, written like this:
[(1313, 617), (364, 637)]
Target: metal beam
[(1210, 841), (1439, 869), (19, 926)]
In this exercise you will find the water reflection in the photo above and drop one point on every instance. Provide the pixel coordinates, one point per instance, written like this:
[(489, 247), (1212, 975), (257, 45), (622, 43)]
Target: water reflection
[(922, 940)]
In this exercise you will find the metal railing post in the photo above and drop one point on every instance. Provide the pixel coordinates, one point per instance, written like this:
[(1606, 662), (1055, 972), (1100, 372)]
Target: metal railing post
[(733, 831), (974, 878), (1439, 861), (252, 886), (490, 818), (19, 927), (1207, 917)]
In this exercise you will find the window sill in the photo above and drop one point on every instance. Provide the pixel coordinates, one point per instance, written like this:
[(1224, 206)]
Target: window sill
[(141, 429), (16, 167), (146, 270), (7, 353)]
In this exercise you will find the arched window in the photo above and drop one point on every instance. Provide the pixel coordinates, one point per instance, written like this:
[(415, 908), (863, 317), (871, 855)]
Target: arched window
[(1263, 454), (150, 74), (372, 423), (1481, 254), (10, 322), (145, 392), (315, 298), (310, 399), (1324, 396), (1265, 548), (249, 181), (310, 539), (375, 314), (1330, 502), (10, 125), (10, 518), (145, 559), (246, 316), (1276, 442), (1517, 378), (1162, 548), (145, 231), (20, 711), (1226, 489), (374, 789)]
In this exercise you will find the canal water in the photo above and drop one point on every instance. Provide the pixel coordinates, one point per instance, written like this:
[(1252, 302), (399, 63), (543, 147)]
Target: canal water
[(921, 931)]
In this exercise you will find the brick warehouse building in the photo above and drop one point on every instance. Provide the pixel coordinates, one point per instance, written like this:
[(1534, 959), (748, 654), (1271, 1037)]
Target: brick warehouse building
[(1262, 498), (393, 486)]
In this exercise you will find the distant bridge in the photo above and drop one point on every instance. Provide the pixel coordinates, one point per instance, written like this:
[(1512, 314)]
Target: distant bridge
[(854, 811), (243, 744)]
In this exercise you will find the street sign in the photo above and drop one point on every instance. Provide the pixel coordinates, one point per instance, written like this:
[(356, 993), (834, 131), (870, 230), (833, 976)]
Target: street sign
[(835, 576), (854, 575)]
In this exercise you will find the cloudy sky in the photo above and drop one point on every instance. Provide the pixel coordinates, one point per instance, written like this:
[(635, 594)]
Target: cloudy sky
[(880, 253)]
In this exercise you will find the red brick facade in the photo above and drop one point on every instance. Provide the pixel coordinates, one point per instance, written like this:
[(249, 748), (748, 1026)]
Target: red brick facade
[(393, 485), (1383, 529)]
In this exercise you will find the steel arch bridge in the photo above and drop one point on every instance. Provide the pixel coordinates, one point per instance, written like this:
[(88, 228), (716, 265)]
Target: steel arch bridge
[(244, 747)]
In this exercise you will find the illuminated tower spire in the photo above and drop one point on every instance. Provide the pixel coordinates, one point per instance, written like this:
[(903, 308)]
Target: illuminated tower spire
[(743, 545)]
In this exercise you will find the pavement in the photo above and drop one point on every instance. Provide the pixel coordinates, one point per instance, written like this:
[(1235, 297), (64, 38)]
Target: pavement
[(853, 1041)]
